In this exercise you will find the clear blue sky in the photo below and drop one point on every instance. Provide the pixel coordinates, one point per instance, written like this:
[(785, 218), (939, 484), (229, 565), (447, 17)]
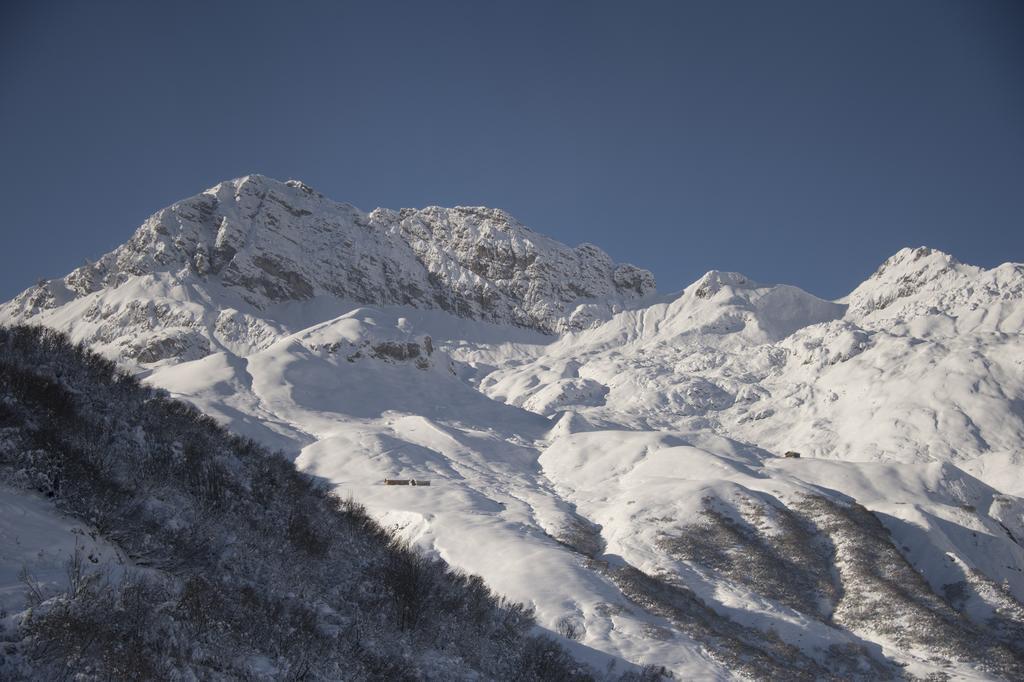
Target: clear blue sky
[(800, 142)]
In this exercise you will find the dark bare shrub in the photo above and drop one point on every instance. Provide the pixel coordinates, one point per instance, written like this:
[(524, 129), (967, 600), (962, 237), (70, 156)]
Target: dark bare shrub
[(304, 537), (407, 574), (569, 628), (542, 659)]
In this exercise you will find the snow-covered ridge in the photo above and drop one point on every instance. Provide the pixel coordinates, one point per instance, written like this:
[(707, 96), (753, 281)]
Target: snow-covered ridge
[(269, 242)]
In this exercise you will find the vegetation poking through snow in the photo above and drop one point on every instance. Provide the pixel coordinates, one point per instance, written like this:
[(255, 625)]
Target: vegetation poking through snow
[(791, 565), (744, 650), (835, 563), (882, 594), (237, 565)]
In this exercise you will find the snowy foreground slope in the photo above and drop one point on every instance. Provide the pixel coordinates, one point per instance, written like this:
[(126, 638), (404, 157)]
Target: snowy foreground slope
[(611, 456), (152, 544)]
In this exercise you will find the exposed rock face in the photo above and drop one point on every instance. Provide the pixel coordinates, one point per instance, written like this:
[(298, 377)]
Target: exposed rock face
[(272, 242)]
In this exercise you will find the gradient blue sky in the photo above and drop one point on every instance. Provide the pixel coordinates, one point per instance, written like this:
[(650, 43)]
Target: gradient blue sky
[(801, 142)]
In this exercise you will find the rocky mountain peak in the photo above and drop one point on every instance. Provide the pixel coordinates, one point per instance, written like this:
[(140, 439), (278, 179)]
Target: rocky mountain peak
[(271, 242), (226, 256), (918, 264), (917, 282), (714, 281)]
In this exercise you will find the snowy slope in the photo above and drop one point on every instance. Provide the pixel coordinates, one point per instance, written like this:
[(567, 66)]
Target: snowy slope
[(624, 475), (36, 543)]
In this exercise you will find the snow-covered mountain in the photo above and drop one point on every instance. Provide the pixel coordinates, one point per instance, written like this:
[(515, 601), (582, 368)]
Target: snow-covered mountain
[(611, 456), (245, 246)]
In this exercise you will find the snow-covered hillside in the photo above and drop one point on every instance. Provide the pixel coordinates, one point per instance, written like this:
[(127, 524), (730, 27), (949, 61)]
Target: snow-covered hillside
[(142, 541), (610, 456)]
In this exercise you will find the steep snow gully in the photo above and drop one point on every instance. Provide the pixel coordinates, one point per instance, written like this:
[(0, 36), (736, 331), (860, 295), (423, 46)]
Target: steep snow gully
[(612, 456)]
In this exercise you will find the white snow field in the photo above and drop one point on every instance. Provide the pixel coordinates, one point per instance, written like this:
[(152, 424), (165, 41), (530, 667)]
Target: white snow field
[(610, 455)]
